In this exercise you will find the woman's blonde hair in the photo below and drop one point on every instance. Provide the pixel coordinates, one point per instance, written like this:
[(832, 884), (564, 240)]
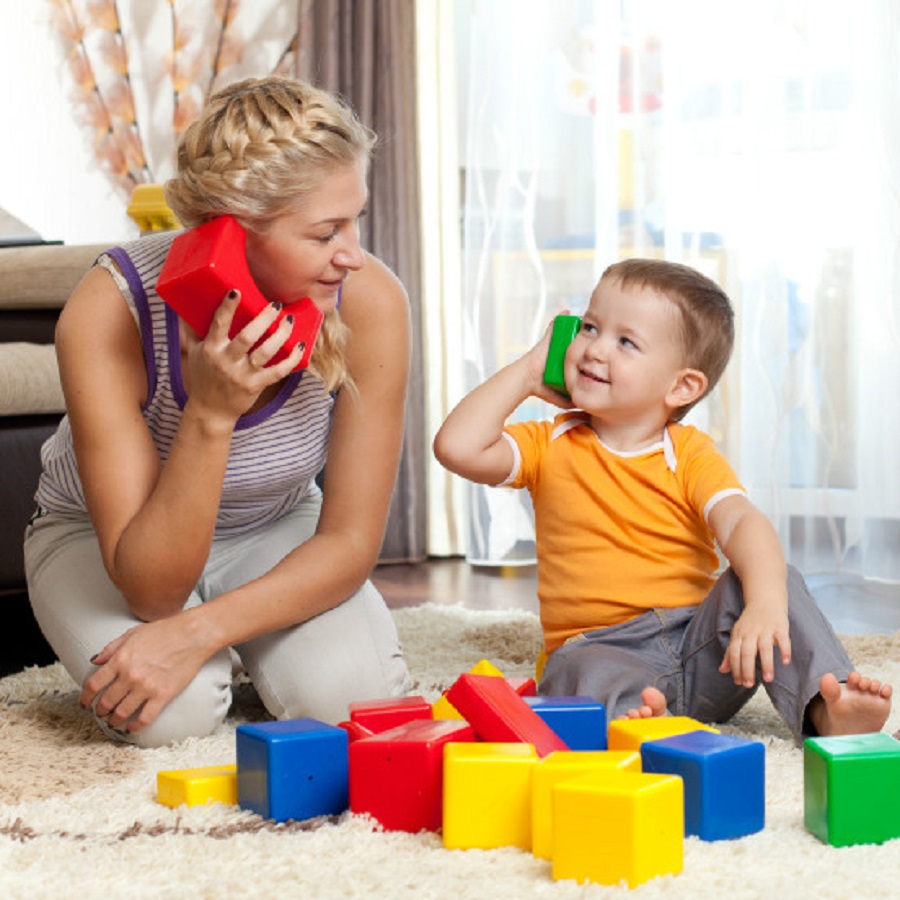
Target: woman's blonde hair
[(259, 147)]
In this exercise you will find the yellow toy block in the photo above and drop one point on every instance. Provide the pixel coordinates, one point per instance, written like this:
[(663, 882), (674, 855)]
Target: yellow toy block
[(195, 787), (444, 709), (629, 734), (618, 826), (485, 667), (487, 795), (564, 765)]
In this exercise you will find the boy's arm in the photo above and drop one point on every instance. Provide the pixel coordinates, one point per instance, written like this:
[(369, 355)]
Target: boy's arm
[(470, 443), (753, 549)]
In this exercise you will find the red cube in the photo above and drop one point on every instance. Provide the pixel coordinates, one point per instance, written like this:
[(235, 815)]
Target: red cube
[(397, 776)]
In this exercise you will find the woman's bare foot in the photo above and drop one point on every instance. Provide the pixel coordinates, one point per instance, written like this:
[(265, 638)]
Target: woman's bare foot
[(654, 705), (861, 706)]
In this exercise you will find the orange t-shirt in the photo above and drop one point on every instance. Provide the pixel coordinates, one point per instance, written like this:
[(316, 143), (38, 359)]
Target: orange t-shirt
[(617, 534)]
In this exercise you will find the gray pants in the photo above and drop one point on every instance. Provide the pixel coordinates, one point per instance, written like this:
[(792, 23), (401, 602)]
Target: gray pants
[(679, 652), (311, 670)]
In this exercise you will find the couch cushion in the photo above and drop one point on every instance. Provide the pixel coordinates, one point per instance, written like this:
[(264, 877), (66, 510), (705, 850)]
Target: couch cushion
[(29, 380), (43, 275)]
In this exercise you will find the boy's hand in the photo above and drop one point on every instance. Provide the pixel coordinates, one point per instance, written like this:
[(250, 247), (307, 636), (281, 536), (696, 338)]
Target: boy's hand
[(760, 628)]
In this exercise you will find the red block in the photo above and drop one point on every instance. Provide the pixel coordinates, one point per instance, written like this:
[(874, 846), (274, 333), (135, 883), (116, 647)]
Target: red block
[(380, 715), (355, 731), (397, 776), (524, 687), (205, 263), (498, 714)]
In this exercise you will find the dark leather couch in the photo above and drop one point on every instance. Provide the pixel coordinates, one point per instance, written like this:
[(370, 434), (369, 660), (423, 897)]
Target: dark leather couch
[(35, 282)]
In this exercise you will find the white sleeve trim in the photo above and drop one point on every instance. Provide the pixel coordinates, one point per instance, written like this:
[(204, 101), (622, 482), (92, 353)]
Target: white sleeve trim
[(729, 492), (517, 461), (105, 261)]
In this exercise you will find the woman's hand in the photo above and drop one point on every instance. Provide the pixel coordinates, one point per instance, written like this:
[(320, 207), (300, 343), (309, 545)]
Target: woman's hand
[(226, 375), (141, 671)]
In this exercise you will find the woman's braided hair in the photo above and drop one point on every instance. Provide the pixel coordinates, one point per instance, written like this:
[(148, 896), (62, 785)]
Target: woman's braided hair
[(259, 147)]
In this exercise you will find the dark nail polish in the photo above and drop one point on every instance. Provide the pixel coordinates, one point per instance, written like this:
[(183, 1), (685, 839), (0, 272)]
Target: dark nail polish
[(276, 305), (232, 294), (289, 320)]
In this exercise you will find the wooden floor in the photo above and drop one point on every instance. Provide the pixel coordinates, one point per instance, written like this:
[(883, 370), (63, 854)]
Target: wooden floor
[(454, 582)]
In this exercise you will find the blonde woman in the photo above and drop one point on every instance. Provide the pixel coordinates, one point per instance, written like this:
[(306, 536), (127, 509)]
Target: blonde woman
[(178, 514)]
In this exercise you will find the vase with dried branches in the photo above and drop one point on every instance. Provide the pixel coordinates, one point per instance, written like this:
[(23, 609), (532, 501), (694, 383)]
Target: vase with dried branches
[(201, 57)]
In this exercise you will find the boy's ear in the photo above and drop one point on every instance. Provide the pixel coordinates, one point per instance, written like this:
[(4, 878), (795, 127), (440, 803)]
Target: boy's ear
[(689, 386)]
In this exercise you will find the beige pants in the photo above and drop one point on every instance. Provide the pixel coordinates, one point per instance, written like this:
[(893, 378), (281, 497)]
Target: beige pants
[(312, 670)]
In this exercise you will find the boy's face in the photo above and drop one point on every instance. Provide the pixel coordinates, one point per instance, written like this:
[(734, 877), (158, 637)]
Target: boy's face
[(626, 360)]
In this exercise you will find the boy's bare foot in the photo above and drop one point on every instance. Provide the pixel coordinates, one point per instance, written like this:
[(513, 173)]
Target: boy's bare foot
[(861, 706), (654, 705)]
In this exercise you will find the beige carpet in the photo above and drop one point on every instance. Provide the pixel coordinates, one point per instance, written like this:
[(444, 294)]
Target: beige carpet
[(78, 815)]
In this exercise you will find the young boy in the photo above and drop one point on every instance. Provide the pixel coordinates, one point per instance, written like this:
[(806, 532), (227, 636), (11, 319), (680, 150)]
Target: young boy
[(629, 507)]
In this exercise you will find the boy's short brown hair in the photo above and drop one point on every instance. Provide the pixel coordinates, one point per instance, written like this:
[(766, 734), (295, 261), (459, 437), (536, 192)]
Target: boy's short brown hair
[(707, 317)]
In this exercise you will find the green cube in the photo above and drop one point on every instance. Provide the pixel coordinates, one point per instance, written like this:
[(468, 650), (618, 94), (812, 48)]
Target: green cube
[(851, 786)]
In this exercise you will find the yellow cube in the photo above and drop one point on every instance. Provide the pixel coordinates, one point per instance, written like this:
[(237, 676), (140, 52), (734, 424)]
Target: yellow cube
[(564, 765), (614, 826), (487, 795), (485, 667), (195, 787), (442, 708), (629, 734)]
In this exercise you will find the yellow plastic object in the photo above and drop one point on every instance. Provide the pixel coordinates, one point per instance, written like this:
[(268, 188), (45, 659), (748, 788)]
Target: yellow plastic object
[(149, 210), (196, 787), (487, 795), (485, 667), (629, 734), (565, 765), (615, 826), (442, 708)]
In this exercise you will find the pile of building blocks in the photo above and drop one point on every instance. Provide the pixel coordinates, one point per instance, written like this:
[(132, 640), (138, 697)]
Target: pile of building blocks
[(490, 765)]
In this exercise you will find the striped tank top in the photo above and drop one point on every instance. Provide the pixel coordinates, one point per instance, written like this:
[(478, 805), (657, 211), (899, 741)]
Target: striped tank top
[(276, 452)]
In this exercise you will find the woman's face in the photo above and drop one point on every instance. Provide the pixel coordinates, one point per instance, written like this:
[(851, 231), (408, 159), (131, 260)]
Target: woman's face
[(309, 253)]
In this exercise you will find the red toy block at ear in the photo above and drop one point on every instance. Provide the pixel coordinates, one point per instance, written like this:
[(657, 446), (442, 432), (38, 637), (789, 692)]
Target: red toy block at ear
[(205, 263), (498, 714)]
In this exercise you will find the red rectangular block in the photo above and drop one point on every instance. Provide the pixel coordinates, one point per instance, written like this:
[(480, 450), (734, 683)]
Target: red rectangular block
[(397, 776), (380, 715), (205, 263), (498, 714)]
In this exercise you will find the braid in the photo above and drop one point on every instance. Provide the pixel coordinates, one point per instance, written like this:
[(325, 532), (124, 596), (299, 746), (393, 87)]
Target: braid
[(259, 147)]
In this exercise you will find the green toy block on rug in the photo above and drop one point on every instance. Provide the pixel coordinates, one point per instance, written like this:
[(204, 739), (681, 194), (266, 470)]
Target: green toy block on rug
[(850, 788)]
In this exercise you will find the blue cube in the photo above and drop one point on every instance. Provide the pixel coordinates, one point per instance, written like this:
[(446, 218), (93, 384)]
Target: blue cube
[(293, 769), (724, 781), (579, 721)]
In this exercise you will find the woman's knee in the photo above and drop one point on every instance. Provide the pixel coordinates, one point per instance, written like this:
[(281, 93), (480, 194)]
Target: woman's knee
[(317, 669)]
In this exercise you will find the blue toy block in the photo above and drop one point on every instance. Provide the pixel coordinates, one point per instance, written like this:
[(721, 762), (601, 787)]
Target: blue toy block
[(579, 721), (293, 769), (724, 781)]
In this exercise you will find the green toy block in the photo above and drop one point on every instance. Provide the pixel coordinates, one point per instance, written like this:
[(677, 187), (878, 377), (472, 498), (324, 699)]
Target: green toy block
[(851, 786)]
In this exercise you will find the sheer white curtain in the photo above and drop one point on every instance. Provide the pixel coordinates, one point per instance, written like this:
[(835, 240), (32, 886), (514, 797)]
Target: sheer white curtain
[(758, 141)]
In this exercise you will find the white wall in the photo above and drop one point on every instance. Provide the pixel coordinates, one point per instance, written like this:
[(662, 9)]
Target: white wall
[(48, 177)]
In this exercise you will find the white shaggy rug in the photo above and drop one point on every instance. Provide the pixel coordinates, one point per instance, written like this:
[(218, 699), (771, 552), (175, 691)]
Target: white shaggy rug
[(79, 816)]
